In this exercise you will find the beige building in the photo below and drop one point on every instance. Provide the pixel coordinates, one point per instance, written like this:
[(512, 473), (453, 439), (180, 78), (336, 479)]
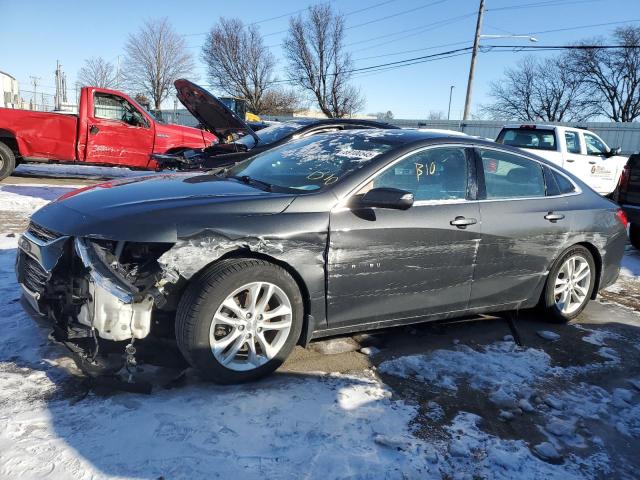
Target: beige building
[(10, 95), (319, 114)]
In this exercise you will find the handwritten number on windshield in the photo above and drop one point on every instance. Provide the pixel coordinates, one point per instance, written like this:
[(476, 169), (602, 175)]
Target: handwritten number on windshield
[(326, 177), (425, 169)]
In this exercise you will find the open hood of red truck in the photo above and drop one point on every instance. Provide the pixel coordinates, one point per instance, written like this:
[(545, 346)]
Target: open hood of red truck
[(210, 111)]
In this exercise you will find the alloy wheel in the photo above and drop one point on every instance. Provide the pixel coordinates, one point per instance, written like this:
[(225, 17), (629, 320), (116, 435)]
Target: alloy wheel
[(250, 326), (572, 284)]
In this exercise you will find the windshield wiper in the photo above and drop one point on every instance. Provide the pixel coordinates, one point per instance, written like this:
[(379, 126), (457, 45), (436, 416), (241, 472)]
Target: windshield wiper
[(248, 180)]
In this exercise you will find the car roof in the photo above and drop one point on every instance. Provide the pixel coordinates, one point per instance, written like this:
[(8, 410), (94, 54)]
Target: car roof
[(405, 136), (339, 121)]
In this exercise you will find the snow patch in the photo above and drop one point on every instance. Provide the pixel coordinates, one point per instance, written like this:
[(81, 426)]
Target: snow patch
[(548, 335)]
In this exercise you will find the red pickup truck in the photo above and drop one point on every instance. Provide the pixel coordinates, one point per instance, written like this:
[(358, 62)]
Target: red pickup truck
[(109, 129)]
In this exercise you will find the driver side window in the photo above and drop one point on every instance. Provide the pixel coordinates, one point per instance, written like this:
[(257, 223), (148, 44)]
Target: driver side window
[(433, 174), (594, 145), (113, 107)]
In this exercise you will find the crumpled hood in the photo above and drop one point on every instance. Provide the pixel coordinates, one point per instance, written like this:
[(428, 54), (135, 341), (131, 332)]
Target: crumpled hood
[(210, 111), (157, 208)]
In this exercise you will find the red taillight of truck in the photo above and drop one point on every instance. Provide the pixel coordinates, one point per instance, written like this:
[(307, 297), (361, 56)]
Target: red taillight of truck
[(622, 217), (623, 183)]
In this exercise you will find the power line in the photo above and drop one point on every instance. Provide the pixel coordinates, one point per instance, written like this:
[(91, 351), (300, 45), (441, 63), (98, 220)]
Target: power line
[(353, 12), (583, 26), (417, 31), (547, 3), (411, 51), (467, 50), (396, 14)]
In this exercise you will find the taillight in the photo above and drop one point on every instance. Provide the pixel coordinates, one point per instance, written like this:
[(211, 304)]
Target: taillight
[(622, 217), (623, 183)]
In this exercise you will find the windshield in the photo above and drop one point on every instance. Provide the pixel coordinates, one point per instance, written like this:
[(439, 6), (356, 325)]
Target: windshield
[(312, 163), (156, 116), (270, 134)]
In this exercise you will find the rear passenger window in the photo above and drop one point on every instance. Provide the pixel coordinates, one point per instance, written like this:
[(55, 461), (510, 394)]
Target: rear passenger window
[(511, 176), (572, 141), (564, 184)]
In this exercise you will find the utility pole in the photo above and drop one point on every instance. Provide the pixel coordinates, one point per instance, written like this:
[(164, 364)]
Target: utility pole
[(474, 54), (118, 72), (34, 82), (450, 95), (58, 97)]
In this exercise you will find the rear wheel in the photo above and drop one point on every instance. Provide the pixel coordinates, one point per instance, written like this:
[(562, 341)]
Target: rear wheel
[(7, 161), (239, 320), (634, 235), (570, 284)]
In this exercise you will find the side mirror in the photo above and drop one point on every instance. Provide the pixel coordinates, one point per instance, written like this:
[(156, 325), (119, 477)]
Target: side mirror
[(613, 152), (393, 198)]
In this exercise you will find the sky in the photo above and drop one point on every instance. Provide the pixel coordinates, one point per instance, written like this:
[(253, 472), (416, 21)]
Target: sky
[(377, 32)]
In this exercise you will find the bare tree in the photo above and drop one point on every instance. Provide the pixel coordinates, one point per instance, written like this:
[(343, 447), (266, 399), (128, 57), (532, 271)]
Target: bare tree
[(436, 115), (612, 75), (238, 63), (156, 56), (97, 72), (143, 100), (278, 101), (540, 90), (385, 116), (318, 62)]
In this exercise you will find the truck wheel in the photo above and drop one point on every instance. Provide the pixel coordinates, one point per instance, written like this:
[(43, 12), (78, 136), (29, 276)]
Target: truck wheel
[(570, 284), (634, 235), (7, 161), (239, 320)]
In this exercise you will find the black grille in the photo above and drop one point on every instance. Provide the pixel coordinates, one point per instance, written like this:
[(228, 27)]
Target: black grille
[(33, 275), (42, 233)]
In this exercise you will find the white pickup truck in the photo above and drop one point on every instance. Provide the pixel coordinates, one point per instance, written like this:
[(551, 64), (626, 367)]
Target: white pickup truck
[(579, 151)]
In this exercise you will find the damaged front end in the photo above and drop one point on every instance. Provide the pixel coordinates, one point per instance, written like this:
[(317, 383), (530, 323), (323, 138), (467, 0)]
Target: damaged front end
[(93, 290)]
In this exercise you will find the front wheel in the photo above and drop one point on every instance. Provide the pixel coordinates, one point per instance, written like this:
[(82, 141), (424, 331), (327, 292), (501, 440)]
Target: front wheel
[(570, 284), (7, 161), (239, 320)]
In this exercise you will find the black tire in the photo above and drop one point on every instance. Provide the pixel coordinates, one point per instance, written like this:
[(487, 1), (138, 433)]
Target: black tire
[(201, 300), (548, 300), (7, 161), (634, 235)]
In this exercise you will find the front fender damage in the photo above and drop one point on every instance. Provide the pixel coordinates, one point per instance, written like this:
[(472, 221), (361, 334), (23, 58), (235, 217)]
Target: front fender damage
[(189, 256)]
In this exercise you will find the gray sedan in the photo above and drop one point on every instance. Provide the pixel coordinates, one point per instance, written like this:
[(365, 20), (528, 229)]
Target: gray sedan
[(325, 235)]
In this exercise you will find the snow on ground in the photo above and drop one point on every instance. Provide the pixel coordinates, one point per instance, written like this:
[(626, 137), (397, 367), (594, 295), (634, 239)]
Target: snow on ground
[(25, 201), (631, 263), (292, 425), (513, 377)]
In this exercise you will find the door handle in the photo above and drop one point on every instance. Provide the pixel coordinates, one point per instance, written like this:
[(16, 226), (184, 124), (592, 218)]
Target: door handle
[(93, 130), (592, 162), (553, 217), (462, 222), (570, 160)]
